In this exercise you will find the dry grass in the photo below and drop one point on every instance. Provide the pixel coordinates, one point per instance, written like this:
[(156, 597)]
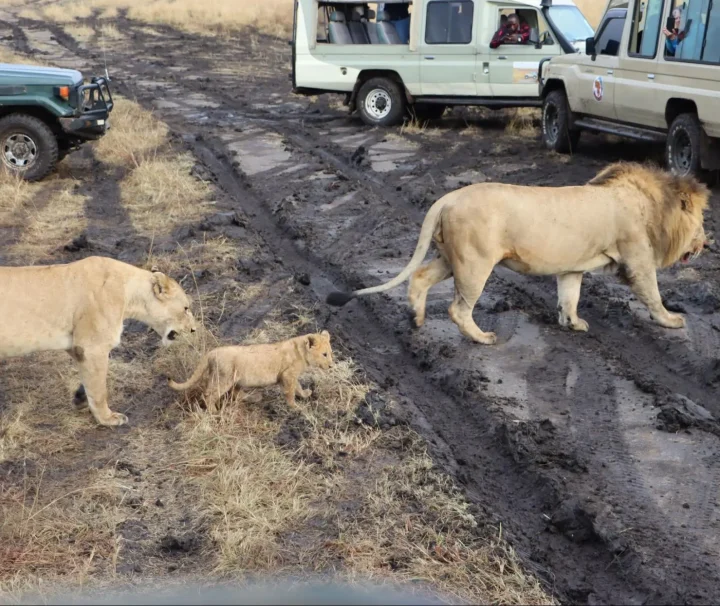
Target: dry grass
[(81, 33), (161, 194), (522, 122), (55, 532), (58, 217), (414, 520), (273, 17), (7, 56), (135, 136)]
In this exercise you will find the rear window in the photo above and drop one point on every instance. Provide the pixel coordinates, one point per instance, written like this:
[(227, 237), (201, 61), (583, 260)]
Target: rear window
[(449, 22)]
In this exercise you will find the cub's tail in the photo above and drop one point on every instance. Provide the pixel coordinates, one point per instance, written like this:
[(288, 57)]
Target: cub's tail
[(199, 371)]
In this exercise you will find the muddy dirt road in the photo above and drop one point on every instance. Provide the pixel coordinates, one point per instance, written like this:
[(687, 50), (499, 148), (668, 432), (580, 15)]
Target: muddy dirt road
[(598, 452)]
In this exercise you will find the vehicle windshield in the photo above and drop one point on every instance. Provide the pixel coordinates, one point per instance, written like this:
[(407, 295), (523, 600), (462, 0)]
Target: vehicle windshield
[(571, 22)]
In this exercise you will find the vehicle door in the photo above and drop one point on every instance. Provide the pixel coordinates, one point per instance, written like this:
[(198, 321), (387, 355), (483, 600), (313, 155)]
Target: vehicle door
[(594, 90), (447, 48), (514, 67), (640, 92)]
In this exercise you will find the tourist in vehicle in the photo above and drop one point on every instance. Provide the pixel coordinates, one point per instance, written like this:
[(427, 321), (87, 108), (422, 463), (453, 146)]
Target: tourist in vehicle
[(673, 35), (400, 17), (513, 32)]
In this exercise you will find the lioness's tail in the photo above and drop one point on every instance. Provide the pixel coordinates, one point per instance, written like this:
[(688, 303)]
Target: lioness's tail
[(338, 299), (201, 368)]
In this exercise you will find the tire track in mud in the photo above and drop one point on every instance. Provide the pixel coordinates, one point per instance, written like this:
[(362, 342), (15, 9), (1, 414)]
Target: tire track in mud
[(511, 466)]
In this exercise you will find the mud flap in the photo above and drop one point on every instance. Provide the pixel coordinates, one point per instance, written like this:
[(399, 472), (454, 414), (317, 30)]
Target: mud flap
[(710, 152)]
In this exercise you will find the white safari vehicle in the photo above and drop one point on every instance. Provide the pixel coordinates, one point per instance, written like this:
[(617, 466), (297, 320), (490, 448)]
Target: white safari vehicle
[(423, 56)]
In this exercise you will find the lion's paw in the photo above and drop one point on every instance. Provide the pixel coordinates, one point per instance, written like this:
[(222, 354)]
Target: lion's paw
[(488, 338), (673, 321), (115, 420), (580, 325), (306, 393)]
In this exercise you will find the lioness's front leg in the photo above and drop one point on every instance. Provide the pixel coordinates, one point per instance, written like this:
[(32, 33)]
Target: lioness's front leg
[(93, 374), (642, 276), (568, 286)]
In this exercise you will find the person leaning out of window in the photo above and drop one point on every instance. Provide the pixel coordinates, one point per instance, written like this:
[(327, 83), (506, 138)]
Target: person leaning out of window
[(512, 32), (673, 36)]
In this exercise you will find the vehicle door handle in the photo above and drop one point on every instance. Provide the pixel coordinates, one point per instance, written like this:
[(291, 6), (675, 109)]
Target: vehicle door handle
[(430, 58), (486, 67), (610, 72), (651, 76), (502, 57)]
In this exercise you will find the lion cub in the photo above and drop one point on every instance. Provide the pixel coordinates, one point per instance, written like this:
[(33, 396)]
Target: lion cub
[(224, 368)]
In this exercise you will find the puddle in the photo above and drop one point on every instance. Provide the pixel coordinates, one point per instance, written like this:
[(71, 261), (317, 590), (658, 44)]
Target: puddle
[(260, 154), (349, 197), (468, 177)]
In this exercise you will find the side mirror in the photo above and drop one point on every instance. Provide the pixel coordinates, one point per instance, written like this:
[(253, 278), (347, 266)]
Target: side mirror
[(546, 39), (534, 39), (590, 46)]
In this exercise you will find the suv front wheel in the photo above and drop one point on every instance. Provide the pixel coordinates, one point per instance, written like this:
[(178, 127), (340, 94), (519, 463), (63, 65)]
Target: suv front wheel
[(381, 102), (682, 150), (28, 148), (556, 132)]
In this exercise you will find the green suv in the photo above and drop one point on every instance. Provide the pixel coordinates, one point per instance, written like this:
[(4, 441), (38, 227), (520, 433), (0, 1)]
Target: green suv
[(45, 113)]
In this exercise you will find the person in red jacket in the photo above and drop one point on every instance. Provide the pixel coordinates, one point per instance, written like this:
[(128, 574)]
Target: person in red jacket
[(513, 32)]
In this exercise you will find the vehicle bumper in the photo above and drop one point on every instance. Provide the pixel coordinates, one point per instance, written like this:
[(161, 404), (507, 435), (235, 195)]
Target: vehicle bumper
[(91, 120)]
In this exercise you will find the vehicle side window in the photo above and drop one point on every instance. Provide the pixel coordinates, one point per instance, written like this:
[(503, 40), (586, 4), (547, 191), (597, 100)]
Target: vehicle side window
[(608, 42), (711, 52), (646, 28), (693, 32), (449, 22)]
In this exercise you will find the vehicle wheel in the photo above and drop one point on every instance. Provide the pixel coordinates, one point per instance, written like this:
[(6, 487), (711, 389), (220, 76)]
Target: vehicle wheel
[(427, 111), (556, 132), (27, 146), (381, 102), (682, 150)]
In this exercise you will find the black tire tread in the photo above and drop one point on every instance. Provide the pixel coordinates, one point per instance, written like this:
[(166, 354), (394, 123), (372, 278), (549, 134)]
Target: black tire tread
[(45, 138), (567, 140), (397, 114), (691, 124)]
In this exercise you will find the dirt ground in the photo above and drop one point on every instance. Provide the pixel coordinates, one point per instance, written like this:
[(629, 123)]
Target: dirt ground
[(595, 453)]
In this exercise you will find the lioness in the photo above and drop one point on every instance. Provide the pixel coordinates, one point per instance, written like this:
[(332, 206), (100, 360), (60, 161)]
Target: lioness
[(224, 368), (630, 218), (80, 308)]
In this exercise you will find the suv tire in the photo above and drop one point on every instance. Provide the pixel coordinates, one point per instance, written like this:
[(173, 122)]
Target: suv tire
[(28, 147), (424, 112), (683, 147), (381, 102), (556, 132)]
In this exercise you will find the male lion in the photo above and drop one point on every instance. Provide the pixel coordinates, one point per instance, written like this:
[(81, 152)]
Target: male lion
[(80, 308), (630, 218), (224, 368)]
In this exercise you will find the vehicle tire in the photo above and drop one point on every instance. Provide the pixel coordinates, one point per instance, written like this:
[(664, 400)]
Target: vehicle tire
[(427, 111), (683, 147), (556, 132), (381, 102), (28, 147)]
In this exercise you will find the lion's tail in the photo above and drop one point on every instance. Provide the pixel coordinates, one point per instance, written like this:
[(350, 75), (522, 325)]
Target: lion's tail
[(338, 299), (199, 371)]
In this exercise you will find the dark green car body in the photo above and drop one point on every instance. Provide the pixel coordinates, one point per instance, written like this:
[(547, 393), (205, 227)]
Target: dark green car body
[(36, 101)]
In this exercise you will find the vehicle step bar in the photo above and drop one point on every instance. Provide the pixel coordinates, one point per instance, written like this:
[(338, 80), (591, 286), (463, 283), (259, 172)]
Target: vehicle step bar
[(621, 130), (490, 102)]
